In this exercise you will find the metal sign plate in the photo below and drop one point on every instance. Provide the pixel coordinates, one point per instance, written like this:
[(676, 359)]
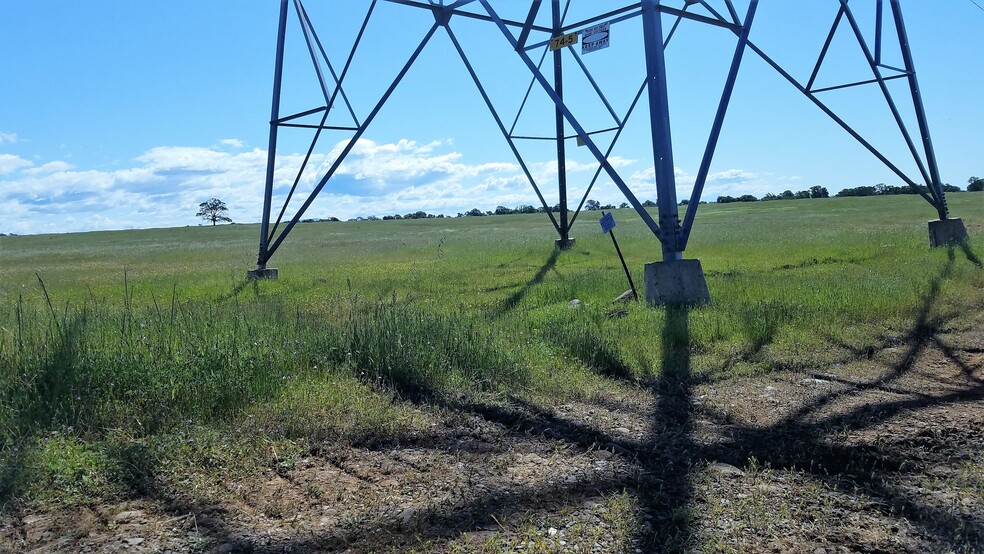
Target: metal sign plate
[(595, 38), (563, 41), (607, 222)]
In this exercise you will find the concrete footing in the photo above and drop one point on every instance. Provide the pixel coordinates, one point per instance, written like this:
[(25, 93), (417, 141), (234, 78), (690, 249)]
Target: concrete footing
[(678, 282), (266, 273), (946, 232), (565, 244)]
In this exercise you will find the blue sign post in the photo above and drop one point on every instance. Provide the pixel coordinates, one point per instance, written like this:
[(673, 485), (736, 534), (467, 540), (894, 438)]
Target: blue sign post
[(607, 222)]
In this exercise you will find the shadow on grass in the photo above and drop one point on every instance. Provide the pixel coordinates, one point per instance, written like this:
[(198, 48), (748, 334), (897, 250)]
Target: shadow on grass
[(813, 262), (674, 457), (239, 287), (666, 489), (969, 252), (806, 440), (802, 440), (594, 351), (761, 322), (40, 403), (515, 298)]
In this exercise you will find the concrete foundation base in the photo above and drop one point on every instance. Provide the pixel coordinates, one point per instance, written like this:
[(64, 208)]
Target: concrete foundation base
[(679, 282), (565, 244), (946, 232), (268, 273)]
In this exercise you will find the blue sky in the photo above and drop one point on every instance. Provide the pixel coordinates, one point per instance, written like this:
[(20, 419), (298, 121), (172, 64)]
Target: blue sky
[(126, 114)]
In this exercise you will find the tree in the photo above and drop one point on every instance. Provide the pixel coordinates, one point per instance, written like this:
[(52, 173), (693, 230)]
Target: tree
[(592, 205), (864, 190), (975, 184), (213, 210), (816, 191)]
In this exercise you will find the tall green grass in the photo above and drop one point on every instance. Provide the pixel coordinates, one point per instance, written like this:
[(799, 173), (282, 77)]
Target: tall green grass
[(143, 369), (115, 348)]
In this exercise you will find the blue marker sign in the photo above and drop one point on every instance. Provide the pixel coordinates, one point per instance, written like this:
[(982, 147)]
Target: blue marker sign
[(607, 222)]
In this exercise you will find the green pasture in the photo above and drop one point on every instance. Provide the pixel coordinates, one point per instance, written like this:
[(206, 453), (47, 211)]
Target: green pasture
[(124, 353)]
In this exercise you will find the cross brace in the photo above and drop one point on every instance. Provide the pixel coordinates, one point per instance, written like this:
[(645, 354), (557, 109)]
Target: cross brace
[(672, 232)]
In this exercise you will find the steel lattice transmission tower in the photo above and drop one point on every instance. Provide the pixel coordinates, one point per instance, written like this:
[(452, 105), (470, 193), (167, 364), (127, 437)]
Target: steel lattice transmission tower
[(674, 279)]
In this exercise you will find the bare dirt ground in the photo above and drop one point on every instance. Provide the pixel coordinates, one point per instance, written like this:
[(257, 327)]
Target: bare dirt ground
[(882, 452)]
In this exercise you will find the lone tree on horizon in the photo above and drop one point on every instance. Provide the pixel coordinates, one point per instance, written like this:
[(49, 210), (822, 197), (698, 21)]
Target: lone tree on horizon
[(213, 210)]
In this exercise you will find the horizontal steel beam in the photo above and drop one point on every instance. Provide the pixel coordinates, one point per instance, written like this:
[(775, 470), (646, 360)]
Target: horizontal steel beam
[(453, 10)]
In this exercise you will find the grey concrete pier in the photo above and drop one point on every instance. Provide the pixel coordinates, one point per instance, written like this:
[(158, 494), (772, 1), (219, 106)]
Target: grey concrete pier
[(676, 282), (565, 244), (947, 232), (265, 273)]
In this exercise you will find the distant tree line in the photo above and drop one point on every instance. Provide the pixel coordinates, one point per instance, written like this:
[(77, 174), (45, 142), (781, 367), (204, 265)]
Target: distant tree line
[(974, 184), (590, 205), (881, 189), (816, 191), (414, 215)]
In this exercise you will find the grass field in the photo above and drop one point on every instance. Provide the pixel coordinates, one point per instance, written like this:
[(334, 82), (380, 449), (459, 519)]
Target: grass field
[(131, 360)]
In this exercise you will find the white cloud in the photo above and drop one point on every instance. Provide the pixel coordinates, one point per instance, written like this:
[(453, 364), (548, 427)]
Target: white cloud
[(50, 167), (162, 189), (10, 163), (388, 167), (727, 182), (8, 138), (234, 143), (164, 186), (731, 176)]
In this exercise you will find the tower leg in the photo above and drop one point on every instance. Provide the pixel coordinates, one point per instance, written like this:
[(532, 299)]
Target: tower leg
[(261, 270), (565, 242), (673, 281)]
